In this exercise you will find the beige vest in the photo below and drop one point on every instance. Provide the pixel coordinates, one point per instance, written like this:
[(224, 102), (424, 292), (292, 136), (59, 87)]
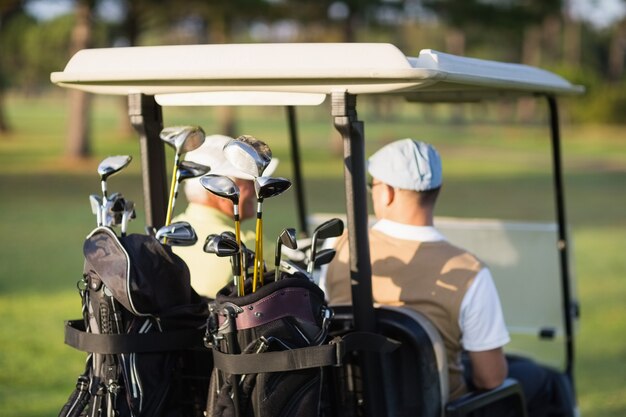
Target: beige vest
[(430, 277)]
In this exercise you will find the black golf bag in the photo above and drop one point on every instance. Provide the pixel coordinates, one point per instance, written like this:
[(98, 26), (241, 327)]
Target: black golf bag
[(270, 349), (143, 329)]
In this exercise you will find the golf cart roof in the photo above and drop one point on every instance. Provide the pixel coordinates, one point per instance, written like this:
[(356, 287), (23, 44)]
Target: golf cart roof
[(298, 74)]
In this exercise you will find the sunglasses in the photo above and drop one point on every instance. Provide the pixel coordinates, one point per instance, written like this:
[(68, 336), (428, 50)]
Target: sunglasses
[(371, 184)]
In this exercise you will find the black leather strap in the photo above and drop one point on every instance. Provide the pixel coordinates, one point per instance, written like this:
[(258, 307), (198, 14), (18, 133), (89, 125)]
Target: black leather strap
[(302, 358), (78, 338)]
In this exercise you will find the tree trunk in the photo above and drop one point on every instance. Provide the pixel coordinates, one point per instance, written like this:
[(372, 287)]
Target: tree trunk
[(571, 42), (617, 51), (455, 44), (4, 124), (531, 55), (80, 103)]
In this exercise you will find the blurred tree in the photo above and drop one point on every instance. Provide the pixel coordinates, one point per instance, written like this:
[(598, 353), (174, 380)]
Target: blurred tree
[(617, 51), (9, 10), (78, 139)]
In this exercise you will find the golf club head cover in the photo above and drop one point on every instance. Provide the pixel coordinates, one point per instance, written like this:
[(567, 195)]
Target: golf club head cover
[(286, 316)]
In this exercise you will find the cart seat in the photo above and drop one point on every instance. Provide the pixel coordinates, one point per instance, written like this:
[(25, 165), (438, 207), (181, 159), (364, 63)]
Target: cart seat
[(415, 376)]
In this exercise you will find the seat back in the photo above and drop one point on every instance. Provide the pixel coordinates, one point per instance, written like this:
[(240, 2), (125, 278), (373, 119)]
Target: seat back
[(415, 379)]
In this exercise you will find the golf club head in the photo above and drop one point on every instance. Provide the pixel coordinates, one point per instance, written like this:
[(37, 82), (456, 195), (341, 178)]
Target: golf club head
[(190, 169), (330, 228), (229, 235), (128, 214), (324, 256), (221, 186), (266, 187), (177, 234), (183, 138), (113, 210), (96, 207), (286, 238), (221, 245), (112, 164), (248, 154)]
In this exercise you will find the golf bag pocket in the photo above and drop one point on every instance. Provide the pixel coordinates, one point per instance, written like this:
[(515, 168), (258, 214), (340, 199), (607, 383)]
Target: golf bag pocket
[(268, 350), (142, 327)]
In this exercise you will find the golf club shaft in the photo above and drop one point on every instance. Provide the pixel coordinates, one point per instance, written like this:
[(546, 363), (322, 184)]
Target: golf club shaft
[(257, 245), (168, 217), (242, 274)]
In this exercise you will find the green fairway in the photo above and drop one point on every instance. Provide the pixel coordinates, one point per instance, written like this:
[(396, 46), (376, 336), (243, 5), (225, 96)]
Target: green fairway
[(490, 169)]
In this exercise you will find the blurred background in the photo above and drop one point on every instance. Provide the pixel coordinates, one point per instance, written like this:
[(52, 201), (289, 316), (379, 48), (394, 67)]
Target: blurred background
[(496, 155)]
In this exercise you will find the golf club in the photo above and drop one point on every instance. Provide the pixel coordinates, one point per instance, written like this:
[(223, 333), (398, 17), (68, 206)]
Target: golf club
[(129, 214), (248, 154), (183, 139), (265, 187), (287, 238), (330, 228), (110, 166), (186, 170), (113, 210), (324, 256), (225, 187), (177, 234), (224, 245), (96, 207)]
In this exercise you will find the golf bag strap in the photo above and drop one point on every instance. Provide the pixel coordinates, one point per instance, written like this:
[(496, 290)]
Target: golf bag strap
[(77, 337), (303, 358)]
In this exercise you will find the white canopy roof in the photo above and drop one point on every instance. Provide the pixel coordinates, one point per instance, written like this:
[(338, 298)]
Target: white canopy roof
[(246, 73)]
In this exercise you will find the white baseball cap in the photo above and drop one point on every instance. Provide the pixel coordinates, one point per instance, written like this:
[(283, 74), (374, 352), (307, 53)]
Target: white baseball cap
[(211, 154), (407, 164)]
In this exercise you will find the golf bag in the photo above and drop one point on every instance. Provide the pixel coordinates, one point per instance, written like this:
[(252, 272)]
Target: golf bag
[(270, 348), (143, 328)]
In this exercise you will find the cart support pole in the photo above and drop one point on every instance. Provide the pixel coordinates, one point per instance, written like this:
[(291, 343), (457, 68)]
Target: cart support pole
[(351, 130), (147, 119), (569, 308), (297, 170)]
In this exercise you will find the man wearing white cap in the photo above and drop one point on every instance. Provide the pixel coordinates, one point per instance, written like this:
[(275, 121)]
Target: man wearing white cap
[(413, 265), (208, 213)]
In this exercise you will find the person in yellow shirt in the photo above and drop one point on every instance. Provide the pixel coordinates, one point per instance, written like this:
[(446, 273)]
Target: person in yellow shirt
[(208, 213)]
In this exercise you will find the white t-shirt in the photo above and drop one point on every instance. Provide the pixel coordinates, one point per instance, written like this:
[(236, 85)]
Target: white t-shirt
[(480, 319)]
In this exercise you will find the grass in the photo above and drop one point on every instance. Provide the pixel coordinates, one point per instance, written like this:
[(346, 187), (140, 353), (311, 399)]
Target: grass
[(491, 169)]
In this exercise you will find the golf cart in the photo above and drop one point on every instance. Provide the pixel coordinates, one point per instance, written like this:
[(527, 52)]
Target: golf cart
[(412, 380)]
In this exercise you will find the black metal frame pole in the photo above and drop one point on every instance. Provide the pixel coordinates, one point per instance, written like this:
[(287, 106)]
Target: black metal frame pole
[(297, 170), (146, 117), (569, 308), (352, 133)]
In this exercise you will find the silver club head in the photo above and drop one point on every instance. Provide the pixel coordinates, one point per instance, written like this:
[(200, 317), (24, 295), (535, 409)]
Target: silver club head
[(183, 138), (113, 164), (267, 187), (288, 239), (248, 154), (190, 169), (113, 210), (129, 214), (221, 186), (177, 234), (330, 228), (221, 245), (96, 207)]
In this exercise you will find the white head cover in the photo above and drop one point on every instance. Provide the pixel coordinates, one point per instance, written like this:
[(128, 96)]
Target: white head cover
[(407, 164)]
